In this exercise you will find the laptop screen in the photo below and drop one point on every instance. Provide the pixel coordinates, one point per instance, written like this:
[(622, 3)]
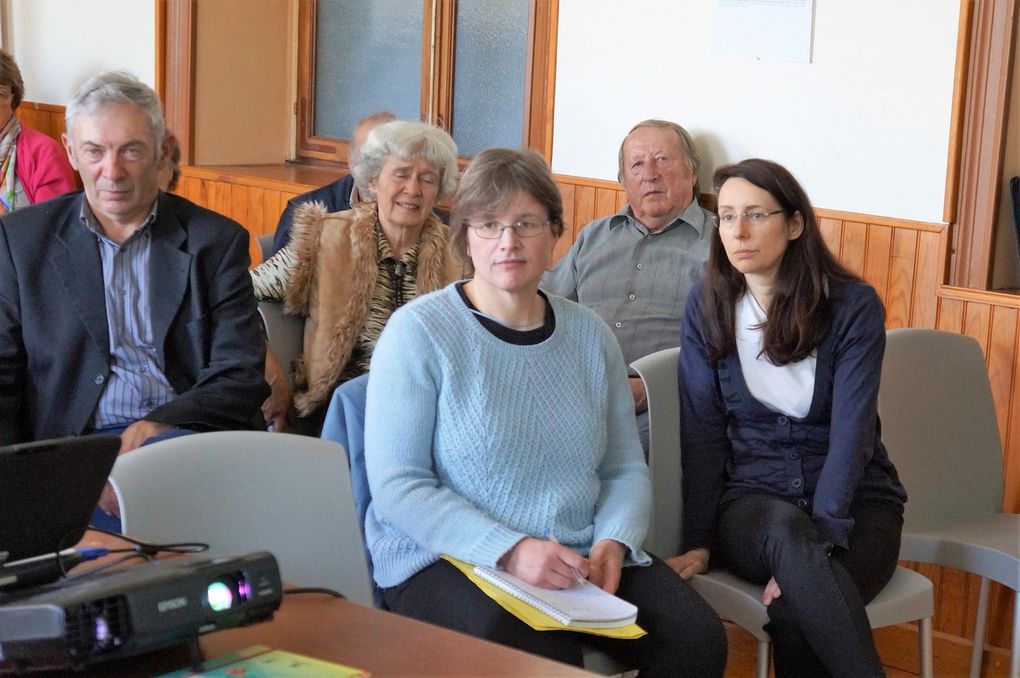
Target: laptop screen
[(48, 490)]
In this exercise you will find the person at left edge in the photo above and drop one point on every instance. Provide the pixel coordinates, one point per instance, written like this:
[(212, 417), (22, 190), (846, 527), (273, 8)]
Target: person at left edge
[(122, 307), (33, 167)]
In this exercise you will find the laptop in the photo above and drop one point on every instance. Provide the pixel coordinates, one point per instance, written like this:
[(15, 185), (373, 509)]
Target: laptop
[(48, 490)]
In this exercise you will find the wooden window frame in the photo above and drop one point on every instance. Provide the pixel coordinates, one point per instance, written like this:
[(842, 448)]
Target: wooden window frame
[(436, 104), (986, 40)]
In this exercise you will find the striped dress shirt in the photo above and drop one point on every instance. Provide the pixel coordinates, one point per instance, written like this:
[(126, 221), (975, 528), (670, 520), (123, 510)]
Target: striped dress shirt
[(137, 383)]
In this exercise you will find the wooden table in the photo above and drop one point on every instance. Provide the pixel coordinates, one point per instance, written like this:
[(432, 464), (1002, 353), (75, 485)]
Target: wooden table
[(324, 627)]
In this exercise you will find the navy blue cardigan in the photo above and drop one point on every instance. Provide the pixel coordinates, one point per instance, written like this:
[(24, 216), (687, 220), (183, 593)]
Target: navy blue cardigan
[(732, 445)]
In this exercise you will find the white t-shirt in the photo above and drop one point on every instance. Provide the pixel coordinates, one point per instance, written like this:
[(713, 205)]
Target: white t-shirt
[(786, 389)]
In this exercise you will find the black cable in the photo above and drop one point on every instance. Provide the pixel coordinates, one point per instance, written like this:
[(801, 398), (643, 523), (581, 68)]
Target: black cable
[(154, 549), (314, 589)]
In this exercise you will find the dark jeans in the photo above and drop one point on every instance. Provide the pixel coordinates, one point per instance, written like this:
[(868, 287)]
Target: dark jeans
[(818, 625), (685, 637), (110, 522)]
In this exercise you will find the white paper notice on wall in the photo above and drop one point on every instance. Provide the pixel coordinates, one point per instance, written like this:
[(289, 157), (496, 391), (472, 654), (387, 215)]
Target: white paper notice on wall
[(763, 30)]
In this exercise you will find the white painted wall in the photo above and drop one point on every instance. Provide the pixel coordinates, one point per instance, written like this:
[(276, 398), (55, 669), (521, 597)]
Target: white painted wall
[(865, 126), (59, 44)]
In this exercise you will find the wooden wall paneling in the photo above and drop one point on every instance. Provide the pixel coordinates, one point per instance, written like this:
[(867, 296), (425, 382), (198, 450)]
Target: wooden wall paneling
[(1011, 500), (45, 118), (876, 260), (239, 208), (901, 278), (254, 198), (976, 321), (951, 315), (1001, 361), (951, 604), (1000, 609), (832, 233), (853, 249), (926, 280), (605, 202), (621, 200), (569, 228), (221, 197), (584, 206)]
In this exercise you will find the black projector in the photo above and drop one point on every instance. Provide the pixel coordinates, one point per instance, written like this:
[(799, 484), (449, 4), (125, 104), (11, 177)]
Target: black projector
[(87, 619)]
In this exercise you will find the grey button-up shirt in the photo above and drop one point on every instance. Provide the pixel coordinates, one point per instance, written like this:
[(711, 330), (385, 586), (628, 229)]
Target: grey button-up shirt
[(636, 280)]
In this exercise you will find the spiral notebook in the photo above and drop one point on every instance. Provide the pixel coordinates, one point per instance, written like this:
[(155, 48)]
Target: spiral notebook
[(578, 606)]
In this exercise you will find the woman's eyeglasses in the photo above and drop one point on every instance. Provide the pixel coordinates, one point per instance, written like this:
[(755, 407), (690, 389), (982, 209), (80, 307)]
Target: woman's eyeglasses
[(490, 230), (754, 218)]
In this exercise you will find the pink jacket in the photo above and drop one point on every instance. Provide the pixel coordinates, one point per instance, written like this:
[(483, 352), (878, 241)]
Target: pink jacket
[(42, 167)]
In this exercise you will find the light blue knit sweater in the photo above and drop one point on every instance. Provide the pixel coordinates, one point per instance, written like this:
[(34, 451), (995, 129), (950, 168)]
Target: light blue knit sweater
[(472, 443)]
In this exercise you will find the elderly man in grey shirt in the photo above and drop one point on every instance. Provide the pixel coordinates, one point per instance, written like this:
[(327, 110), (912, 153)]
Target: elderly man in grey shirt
[(635, 268)]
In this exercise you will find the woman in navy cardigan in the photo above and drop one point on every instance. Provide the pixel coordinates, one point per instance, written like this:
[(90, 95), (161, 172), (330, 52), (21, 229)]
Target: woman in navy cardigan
[(785, 478)]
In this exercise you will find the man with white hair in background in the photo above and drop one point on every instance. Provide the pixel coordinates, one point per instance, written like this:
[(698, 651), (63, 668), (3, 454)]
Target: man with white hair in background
[(635, 268), (339, 195)]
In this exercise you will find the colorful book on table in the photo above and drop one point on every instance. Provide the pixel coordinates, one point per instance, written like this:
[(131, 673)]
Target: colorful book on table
[(259, 661), (587, 609)]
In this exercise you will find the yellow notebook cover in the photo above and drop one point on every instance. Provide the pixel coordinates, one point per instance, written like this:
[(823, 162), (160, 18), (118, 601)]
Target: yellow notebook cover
[(533, 617)]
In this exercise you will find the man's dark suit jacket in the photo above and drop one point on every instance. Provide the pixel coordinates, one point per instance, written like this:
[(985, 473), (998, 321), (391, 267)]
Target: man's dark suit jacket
[(336, 196), (54, 343)]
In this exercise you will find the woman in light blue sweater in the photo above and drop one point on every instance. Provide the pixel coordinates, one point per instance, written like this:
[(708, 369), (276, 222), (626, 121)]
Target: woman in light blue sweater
[(500, 430)]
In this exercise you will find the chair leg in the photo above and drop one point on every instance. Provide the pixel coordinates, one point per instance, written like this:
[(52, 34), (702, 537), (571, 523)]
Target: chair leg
[(977, 651), (925, 640), (1014, 652), (761, 669)]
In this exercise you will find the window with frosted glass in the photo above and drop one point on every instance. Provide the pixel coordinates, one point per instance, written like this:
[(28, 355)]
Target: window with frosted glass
[(489, 68), (367, 58)]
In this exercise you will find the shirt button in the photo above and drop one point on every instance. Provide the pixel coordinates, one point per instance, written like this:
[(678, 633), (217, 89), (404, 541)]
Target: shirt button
[(796, 483), (794, 456), (640, 266), (783, 421), (648, 237), (802, 503), (100, 379), (144, 369), (632, 297), (120, 291), (150, 404), (619, 324)]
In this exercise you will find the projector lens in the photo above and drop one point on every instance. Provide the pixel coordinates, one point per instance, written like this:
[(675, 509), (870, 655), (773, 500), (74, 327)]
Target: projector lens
[(220, 596)]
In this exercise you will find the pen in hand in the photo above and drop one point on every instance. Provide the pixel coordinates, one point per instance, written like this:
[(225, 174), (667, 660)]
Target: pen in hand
[(577, 575)]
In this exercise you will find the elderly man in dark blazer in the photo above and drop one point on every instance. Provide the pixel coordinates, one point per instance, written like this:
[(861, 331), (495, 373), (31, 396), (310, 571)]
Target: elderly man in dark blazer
[(123, 308)]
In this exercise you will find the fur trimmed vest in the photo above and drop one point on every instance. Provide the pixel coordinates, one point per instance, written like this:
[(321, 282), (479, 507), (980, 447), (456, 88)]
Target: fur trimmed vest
[(332, 282)]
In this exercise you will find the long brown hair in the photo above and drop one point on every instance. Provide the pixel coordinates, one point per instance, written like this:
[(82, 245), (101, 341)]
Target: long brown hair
[(799, 313)]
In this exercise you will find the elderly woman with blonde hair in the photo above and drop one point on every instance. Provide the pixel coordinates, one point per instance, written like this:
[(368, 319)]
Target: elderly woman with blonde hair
[(347, 272)]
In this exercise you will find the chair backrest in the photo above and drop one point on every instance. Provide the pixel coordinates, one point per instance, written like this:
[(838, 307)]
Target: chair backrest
[(265, 242), (285, 334), (659, 373), (243, 491), (939, 425)]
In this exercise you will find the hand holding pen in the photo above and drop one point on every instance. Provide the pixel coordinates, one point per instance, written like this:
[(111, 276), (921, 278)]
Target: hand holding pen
[(545, 563), (577, 574)]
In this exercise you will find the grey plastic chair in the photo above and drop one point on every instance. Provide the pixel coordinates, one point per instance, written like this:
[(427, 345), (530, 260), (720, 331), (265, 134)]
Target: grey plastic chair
[(265, 242), (243, 491), (907, 597), (285, 334), (938, 422)]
